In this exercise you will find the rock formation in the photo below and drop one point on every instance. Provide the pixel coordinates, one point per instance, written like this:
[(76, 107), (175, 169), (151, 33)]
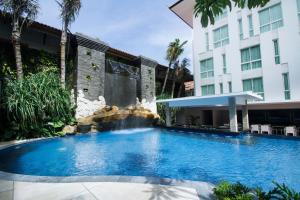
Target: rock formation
[(112, 117)]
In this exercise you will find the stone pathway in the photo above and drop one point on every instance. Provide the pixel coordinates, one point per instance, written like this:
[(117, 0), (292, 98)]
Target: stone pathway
[(10, 190)]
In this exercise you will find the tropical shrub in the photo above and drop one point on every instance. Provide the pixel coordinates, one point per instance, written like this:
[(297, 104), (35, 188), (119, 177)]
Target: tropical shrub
[(161, 107), (238, 191), (37, 105)]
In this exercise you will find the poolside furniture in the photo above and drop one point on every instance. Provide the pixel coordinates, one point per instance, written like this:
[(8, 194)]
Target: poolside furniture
[(278, 130), (266, 129), (290, 131), (255, 128)]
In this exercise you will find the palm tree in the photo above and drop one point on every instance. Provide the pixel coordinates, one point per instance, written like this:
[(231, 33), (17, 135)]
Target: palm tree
[(175, 49), (69, 11), (175, 76), (208, 9), (183, 73), (22, 12)]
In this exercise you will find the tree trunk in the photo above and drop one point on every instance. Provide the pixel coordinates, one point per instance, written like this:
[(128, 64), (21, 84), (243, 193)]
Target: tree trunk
[(16, 40), (173, 86), (166, 78), (180, 89), (63, 42)]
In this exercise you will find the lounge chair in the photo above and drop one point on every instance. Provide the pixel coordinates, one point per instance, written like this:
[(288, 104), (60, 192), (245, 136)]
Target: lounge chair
[(290, 131), (266, 129), (255, 128)]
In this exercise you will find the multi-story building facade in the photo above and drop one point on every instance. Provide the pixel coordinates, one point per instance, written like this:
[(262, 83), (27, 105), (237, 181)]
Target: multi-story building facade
[(250, 50)]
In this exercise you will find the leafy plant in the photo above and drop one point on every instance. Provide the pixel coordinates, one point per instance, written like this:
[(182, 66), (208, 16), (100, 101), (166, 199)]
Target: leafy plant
[(36, 100), (161, 107), (238, 191)]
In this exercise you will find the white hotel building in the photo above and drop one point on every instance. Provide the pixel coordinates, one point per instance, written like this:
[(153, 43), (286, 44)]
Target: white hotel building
[(247, 50)]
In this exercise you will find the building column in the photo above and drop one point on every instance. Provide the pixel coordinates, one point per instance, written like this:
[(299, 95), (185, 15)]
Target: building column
[(245, 117), (232, 115), (168, 115), (215, 118)]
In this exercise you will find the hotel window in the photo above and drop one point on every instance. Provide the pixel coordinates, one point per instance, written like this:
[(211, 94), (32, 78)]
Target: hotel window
[(250, 22), (230, 87), (298, 5), (208, 90), (254, 85), (224, 63), (241, 29), (251, 58), (221, 37), (287, 94), (207, 68), (207, 41), (270, 18), (222, 15), (221, 88), (276, 51)]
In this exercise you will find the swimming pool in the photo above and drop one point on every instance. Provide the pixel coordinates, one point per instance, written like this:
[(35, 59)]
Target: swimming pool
[(161, 153)]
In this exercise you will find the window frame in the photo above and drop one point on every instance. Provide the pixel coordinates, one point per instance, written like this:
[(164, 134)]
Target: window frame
[(210, 73), (221, 88), (230, 86), (298, 10), (250, 23), (223, 41), (240, 24), (251, 62), (262, 94), (224, 61), (207, 86), (287, 89), (276, 51), (270, 23)]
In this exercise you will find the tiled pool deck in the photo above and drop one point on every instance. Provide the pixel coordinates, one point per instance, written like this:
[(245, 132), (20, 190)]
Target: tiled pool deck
[(23, 187)]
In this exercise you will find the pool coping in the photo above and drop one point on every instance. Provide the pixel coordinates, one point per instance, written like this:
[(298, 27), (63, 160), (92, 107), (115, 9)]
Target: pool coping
[(204, 189)]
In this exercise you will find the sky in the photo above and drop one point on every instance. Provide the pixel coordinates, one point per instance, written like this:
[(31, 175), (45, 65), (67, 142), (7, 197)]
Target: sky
[(139, 27)]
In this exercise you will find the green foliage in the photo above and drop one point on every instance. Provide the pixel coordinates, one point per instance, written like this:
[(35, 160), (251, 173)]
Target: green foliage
[(208, 9), (161, 107), (37, 105), (238, 191)]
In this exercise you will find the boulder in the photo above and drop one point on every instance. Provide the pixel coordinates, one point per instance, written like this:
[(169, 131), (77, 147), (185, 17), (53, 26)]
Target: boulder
[(70, 129)]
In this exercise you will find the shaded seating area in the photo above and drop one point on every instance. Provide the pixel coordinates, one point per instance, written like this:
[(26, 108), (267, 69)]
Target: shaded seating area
[(210, 104), (268, 129)]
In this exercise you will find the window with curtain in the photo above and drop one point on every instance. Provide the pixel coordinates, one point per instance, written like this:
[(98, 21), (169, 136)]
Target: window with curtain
[(298, 5), (207, 68), (254, 85), (251, 58), (276, 51), (208, 90), (230, 87), (270, 18), (224, 63), (207, 41), (222, 15), (286, 82), (221, 88), (221, 37), (250, 22), (241, 29)]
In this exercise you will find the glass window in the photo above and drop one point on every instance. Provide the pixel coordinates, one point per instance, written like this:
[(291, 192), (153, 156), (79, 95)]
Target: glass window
[(224, 64), (207, 41), (222, 15), (254, 85), (251, 58), (221, 88), (286, 82), (221, 37), (250, 22), (270, 18), (208, 90), (276, 51), (230, 87), (298, 5), (241, 29), (207, 68)]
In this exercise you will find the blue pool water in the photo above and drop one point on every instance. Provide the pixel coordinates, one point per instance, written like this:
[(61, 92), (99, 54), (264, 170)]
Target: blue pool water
[(161, 153)]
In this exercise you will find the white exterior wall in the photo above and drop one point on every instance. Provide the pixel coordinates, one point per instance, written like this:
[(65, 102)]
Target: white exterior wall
[(289, 44)]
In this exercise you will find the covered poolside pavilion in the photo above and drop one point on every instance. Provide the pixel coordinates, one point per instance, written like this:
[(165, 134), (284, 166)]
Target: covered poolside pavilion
[(229, 101)]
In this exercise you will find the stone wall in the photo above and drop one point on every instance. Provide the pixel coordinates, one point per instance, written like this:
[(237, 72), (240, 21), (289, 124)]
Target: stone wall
[(147, 83)]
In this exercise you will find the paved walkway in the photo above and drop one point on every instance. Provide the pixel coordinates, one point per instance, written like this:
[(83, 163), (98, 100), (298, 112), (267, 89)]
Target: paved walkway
[(95, 191)]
